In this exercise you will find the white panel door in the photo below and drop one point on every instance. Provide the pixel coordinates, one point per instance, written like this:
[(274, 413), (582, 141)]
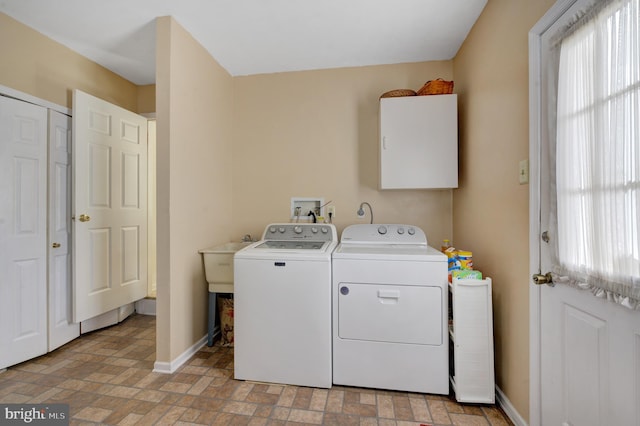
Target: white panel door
[(586, 350), (61, 327), (110, 206), (23, 231)]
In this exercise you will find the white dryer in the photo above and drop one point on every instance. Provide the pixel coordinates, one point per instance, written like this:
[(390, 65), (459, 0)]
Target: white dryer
[(282, 308), (390, 310)]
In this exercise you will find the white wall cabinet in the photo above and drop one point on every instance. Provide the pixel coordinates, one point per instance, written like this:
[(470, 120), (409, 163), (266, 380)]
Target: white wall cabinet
[(471, 341), (419, 142)]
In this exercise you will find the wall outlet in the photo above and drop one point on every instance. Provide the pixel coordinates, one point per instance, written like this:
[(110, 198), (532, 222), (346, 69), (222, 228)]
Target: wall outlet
[(331, 211)]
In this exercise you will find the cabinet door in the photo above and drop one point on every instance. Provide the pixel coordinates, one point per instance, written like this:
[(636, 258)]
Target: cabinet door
[(23, 231), (419, 142)]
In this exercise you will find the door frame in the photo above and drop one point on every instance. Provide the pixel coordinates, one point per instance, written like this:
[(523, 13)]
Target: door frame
[(16, 94), (535, 132)]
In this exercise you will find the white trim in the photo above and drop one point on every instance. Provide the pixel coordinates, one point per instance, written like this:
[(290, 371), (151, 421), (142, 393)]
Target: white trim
[(535, 108), (16, 94), (508, 408), (146, 306), (171, 367)]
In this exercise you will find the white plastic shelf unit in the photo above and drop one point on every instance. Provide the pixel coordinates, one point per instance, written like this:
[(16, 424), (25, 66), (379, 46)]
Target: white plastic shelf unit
[(471, 338)]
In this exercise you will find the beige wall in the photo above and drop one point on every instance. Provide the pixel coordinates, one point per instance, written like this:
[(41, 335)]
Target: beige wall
[(146, 102), (491, 208), (315, 134), (194, 138), (41, 67)]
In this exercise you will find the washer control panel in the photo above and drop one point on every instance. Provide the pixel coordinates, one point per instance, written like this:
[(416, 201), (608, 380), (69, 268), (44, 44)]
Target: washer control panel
[(384, 233), (300, 231)]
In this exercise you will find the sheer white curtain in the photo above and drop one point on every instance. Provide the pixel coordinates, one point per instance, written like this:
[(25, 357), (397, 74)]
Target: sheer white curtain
[(598, 154)]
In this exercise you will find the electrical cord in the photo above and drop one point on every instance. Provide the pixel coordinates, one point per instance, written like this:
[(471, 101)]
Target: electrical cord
[(312, 214)]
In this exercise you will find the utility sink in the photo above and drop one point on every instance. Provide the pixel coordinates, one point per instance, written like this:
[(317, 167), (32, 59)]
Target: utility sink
[(218, 265), (218, 270), (230, 247)]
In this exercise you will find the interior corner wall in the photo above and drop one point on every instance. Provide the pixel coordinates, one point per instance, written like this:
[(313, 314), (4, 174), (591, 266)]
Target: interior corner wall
[(35, 64), (194, 139), (491, 208)]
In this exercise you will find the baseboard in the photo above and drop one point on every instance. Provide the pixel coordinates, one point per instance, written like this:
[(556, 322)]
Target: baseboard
[(146, 306), (509, 409), (171, 367)]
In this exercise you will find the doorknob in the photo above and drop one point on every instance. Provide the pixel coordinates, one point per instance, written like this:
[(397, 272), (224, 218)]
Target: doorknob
[(540, 279), (55, 245), (85, 218)]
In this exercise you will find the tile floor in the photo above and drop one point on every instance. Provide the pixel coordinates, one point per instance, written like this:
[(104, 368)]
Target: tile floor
[(106, 378)]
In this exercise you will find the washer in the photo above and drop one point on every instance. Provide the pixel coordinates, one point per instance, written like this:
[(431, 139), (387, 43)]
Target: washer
[(390, 296), (282, 308)]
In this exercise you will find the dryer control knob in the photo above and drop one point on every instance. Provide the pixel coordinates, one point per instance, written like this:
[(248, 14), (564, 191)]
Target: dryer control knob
[(281, 229), (411, 231), (382, 230), (272, 229), (314, 229), (324, 230), (297, 229), (400, 231)]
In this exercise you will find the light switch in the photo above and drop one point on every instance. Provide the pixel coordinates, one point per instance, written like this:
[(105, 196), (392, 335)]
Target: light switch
[(523, 173)]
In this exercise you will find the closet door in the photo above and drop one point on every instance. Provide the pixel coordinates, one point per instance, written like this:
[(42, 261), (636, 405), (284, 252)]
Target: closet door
[(23, 231), (61, 327)]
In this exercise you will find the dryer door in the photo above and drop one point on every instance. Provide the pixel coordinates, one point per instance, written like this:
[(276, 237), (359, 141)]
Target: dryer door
[(390, 313)]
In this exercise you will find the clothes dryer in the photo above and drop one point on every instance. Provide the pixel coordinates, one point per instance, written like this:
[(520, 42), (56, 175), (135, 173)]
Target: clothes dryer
[(390, 296)]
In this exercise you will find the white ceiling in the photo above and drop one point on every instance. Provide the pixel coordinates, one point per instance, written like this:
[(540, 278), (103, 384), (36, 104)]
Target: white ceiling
[(256, 36)]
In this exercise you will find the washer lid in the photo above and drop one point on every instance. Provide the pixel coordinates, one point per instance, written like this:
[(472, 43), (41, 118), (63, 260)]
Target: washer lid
[(292, 245)]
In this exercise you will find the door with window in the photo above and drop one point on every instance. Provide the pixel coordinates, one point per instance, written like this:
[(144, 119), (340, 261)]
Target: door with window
[(586, 139)]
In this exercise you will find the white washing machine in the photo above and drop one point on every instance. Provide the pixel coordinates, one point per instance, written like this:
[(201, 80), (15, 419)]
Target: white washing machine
[(282, 307), (390, 296)]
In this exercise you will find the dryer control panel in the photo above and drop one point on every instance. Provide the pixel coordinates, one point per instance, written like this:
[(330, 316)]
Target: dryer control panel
[(383, 233)]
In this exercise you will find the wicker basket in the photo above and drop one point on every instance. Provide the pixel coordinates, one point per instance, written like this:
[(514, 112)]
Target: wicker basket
[(436, 87), (398, 92)]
